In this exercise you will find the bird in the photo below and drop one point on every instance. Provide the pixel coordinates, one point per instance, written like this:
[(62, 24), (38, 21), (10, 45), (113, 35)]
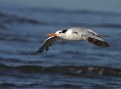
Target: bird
[(73, 33)]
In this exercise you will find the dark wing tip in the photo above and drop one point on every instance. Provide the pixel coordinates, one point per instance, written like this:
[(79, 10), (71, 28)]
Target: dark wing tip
[(40, 51), (45, 46), (98, 42), (35, 53)]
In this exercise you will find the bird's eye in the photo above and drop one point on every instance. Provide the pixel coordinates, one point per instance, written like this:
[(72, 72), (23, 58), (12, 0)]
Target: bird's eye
[(59, 32)]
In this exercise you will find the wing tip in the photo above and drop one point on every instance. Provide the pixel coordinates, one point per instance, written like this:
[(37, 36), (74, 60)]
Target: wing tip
[(105, 44), (98, 42), (35, 53), (40, 51)]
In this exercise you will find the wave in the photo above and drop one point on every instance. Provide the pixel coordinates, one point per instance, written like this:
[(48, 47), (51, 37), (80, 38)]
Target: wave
[(107, 25), (32, 85), (84, 11), (7, 18), (90, 71), (8, 85)]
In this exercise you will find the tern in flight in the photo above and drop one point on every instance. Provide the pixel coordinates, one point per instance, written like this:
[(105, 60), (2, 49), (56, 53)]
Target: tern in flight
[(73, 34)]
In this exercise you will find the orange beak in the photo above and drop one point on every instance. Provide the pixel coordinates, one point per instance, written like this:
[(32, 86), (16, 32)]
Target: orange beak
[(52, 34)]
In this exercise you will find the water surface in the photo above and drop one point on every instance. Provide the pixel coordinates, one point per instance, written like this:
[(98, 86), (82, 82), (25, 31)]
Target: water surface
[(67, 65)]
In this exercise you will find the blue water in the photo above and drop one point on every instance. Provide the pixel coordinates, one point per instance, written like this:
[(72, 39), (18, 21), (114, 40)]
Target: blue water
[(67, 65)]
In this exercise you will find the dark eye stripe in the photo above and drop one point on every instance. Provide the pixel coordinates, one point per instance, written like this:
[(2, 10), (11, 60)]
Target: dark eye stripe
[(63, 31)]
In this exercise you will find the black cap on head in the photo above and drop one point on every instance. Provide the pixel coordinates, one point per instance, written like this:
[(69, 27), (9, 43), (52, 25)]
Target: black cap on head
[(63, 31)]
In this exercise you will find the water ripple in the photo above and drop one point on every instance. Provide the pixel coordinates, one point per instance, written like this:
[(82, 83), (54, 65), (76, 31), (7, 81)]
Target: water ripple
[(89, 71)]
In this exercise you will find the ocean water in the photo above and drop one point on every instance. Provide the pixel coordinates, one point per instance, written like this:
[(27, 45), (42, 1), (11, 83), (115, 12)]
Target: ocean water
[(67, 65)]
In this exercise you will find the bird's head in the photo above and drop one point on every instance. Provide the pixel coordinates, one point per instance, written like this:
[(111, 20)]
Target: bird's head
[(59, 33)]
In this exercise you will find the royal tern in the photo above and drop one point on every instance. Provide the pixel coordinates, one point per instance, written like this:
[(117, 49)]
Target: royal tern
[(73, 34)]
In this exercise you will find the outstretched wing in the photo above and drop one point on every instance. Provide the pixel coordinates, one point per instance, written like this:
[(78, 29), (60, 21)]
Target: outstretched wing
[(46, 44), (95, 38)]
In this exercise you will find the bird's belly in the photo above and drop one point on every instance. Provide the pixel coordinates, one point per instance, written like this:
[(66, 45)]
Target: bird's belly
[(73, 38)]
